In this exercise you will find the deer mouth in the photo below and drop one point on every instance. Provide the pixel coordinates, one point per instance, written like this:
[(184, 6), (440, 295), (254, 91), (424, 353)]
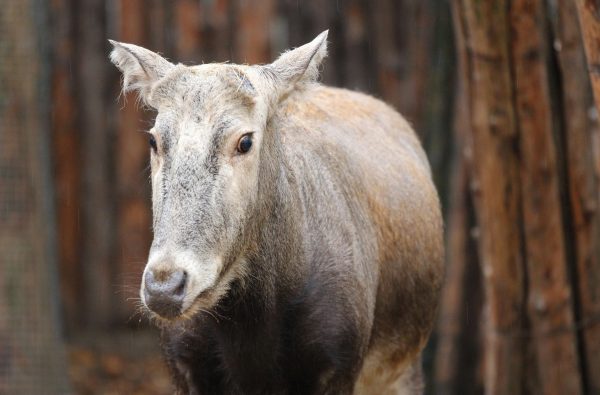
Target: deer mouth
[(207, 299)]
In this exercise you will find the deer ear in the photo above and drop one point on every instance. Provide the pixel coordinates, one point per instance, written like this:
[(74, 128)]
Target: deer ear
[(141, 68), (300, 65)]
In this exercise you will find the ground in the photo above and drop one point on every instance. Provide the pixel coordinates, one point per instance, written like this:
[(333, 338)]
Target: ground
[(127, 362)]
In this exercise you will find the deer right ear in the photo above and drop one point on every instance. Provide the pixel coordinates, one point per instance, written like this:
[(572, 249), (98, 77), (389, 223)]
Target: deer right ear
[(141, 68), (297, 67)]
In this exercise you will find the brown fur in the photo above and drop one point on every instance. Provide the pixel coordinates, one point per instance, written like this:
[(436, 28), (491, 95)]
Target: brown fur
[(391, 178)]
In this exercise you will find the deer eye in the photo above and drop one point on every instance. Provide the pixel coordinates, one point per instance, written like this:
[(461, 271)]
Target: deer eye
[(245, 143), (152, 142)]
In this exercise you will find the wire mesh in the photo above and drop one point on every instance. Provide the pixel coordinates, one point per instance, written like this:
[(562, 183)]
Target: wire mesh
[(31, 351)]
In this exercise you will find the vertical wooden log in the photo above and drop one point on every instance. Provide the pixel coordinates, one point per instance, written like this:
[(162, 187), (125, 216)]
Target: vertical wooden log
[(157, 25), (358, 64), (414, 34), (188, 27), (496, 189), (387, 56), (31, 348), (549, 301), (219, 29), (67, 166), (98, 222), (308, 18), (581, 137), (205, 30), (457, 358), (132, 186), (252, 39), (438, 97), (589, 19)]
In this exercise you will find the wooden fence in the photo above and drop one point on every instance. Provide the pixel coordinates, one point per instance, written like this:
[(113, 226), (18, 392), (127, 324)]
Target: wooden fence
[(499, 92)]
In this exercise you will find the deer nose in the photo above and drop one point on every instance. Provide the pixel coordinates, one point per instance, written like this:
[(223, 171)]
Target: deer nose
[(164, 292)]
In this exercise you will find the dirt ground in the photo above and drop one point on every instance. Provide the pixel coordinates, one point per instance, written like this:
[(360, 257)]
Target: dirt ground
[(123, 363)]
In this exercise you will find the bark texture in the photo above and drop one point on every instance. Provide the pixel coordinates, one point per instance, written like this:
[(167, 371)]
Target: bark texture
[(534, 182), (583, 169)]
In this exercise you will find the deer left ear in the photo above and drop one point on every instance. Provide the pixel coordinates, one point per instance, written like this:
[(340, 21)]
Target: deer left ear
[(141, 68), (300, 65)]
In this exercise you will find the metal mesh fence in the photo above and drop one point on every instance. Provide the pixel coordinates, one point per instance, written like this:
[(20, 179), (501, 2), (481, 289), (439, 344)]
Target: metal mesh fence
[(31, 351)]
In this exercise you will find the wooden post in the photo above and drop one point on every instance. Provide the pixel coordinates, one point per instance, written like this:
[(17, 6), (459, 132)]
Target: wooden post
[(582, 157), (67, 166), (458, 348), (496, 190), (133, 220), (252, 38), (188, 25), (589, 18), (97, 142), (549, 302)]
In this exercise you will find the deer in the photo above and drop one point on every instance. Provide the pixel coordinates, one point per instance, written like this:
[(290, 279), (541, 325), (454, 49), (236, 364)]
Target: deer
[(297, 233)]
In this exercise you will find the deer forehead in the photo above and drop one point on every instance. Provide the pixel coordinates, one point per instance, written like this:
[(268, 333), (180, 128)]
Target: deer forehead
[(210, 87)]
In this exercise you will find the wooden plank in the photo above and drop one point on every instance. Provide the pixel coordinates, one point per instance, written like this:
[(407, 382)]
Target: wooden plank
[(549, 301), (438, 97), (414, 37), (98, 209), (305, 20), (67, 164), (188, 26), (252, 36), (457, 355), (358, 68), (589, 19), (134, 220), (458, 358), (496, 191), (388, 58), (219, 27), (581, 137)]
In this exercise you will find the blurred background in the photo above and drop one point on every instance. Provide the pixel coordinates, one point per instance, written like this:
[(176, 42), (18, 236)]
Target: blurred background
[(500, 93)]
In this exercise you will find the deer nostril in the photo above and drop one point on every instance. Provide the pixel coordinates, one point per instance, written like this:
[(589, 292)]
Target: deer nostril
[(166, 282), (182, 283), (164, 291)]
